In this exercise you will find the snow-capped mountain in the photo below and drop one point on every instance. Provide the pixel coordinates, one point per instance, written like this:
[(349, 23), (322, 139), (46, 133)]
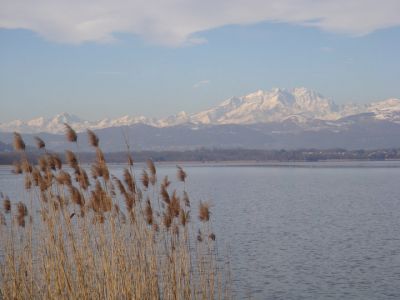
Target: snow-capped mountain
[(300, 106), (270, 106)]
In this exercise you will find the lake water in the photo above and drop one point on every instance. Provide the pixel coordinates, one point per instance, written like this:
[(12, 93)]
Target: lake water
[(300, 231)]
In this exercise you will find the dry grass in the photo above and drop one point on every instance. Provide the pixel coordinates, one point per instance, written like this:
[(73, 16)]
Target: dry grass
[(102, 237)]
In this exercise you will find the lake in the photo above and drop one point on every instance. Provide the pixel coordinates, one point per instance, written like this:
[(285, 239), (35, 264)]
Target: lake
[(324, 230)]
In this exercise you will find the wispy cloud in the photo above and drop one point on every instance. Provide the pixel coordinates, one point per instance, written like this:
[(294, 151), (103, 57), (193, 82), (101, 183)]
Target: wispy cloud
[(327, 49), (176, 22), (201, 83)]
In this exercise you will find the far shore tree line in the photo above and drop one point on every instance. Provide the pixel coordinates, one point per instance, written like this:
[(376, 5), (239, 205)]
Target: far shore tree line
[(216, 155)]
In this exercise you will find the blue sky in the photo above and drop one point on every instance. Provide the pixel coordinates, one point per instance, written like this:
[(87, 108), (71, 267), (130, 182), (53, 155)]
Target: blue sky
[(110, 69)]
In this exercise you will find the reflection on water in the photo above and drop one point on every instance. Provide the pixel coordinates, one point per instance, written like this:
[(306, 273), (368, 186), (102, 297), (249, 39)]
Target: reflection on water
[(299, 231)]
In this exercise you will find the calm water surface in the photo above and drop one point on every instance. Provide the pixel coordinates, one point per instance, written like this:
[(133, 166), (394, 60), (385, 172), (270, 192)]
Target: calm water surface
[(300, 231)]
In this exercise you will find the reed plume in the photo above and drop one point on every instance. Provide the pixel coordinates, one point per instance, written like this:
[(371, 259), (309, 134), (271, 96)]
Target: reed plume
[(70, 134), (204, 211), (92, 138), (17, 168), (19, 144), (7, 205), (181, 174), (164, 194), (22, 212), (129, 181), (26, 166), (57, 162), (145, 179), (71, 159), (149, 212), (64, 178), (153, 171), (184, 217), (40, 144)]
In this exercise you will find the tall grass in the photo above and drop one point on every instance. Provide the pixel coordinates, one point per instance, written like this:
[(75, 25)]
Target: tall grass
[(83, 234)]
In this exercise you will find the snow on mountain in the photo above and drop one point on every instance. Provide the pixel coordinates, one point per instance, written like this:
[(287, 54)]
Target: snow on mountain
[(301, 106), (270, 106), (386, 110), (41, 124)]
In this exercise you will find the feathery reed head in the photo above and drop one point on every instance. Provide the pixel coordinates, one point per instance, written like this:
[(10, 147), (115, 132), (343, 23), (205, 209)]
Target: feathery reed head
[(7, 205), (164, 194), (92, 138), (27, 182), (39, 142), (19, 144), (17, 168), (22, 212), (76, 196), (57, 162), (165, 182), (204, 211), (43, 163), (184, 217), (145, 179), (70, 134), (149, 213), (181, 174), (174, 206), (153, 171), (64, 178), (26, 166), (129, 181), (71, 159), (167, 220), (151, 166)]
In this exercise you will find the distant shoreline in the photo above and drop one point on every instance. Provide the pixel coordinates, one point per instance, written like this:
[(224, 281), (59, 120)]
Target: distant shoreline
[(231, 157)]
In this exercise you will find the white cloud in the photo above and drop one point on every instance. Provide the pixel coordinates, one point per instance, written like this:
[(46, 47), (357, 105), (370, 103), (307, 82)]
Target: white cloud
[(180, 22), (201, 83)]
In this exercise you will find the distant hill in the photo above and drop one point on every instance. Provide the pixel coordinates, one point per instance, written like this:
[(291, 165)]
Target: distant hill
[(5, 147)]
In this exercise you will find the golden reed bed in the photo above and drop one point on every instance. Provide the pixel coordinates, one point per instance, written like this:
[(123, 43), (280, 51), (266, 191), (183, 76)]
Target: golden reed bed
[(81, 234)]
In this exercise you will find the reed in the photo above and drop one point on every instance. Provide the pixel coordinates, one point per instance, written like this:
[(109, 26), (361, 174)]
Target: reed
[(76, 236)]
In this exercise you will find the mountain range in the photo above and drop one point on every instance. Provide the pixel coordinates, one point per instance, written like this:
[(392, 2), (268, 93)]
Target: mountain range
[(279, 118)]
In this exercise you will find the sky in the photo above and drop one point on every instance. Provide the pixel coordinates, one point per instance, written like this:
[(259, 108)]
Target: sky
[(98, 59)]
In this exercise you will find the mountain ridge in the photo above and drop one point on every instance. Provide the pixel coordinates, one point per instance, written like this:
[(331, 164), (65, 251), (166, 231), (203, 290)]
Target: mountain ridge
[(302, 106)]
